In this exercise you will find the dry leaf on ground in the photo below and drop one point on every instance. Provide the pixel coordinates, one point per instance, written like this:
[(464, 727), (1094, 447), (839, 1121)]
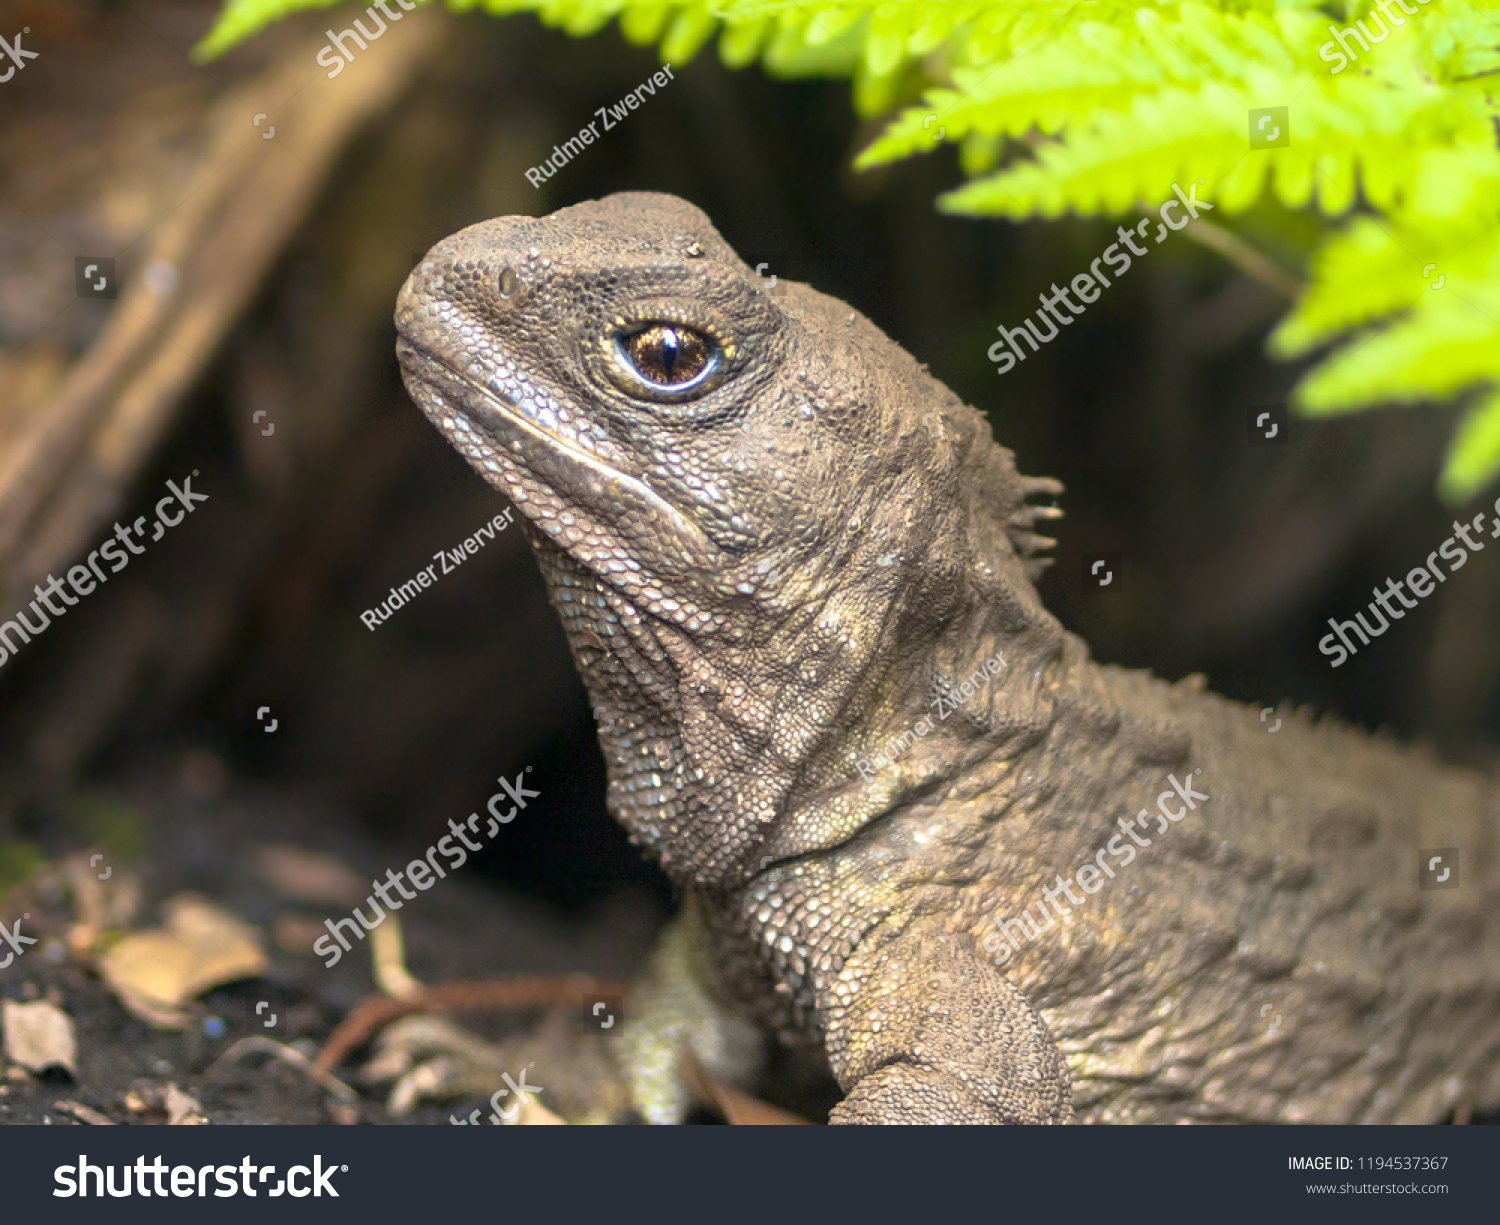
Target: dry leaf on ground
[(183, 1109), (201, 946), (38, 1036)]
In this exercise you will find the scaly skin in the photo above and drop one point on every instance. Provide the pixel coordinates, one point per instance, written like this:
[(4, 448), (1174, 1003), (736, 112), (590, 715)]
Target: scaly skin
[(770, 574)]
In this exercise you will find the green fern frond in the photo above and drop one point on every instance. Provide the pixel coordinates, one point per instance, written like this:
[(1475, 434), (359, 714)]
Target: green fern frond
[(242, 19), (1438, 294), (1474, 457)]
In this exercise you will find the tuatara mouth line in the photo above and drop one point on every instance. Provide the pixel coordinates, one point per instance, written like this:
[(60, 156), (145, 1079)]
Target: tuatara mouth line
[(428, 369), (509, 414)]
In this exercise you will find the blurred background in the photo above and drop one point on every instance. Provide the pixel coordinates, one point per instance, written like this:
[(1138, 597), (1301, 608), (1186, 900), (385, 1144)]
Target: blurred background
[(260, 219)]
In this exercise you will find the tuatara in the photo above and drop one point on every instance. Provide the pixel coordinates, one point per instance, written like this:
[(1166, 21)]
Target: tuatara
[(795, 573)]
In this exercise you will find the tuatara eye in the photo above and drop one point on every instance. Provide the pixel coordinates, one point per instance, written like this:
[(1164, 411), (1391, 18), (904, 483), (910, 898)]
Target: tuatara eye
[(669, 356)]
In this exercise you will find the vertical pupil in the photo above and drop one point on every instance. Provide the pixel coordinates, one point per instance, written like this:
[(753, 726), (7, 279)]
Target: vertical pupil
[(670, 350), (668, 355)]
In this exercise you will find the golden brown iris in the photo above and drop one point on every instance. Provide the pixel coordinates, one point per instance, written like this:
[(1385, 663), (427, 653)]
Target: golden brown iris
[(668, 355)]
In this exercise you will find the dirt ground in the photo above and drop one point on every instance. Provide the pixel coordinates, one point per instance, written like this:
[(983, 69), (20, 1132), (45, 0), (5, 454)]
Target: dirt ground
[(470, 929)]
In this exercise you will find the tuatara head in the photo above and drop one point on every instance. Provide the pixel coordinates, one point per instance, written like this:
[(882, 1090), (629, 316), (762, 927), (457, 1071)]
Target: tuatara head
[(753, 510)]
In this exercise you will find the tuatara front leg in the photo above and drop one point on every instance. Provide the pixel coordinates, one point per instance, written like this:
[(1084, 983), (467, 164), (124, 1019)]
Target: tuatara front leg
[(922, 1028), (669, 1012)]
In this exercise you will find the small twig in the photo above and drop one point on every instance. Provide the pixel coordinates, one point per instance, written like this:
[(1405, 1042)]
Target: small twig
[(1244, 257), (738, 1109), (84, 1114), (286, 1054), (376, 1010), (388, 958)]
